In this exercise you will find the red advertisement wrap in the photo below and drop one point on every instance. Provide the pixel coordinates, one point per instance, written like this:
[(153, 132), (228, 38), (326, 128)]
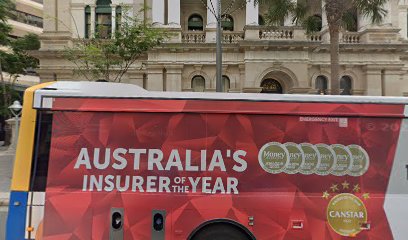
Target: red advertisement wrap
[(204, 166), (227, 106)]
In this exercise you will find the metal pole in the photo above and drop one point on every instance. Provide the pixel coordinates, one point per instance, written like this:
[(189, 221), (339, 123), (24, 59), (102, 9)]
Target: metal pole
[(17, 130), (219, 85)]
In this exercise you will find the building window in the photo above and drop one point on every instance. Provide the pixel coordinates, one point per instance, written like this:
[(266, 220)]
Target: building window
[(261, 21), (195, 23), (118, 17), (26, 18), (271, 86), (226, 83), (313, 23), (345, 85), (103, 19), (87, 22), (227, 23), (321, 85), (350, 22), (198, 84)]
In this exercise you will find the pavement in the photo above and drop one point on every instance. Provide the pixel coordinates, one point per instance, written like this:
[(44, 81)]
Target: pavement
[(6, 170)]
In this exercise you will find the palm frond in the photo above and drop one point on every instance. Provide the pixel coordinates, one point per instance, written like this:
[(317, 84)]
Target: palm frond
[(278, 11), (374, 9), (300, 13)]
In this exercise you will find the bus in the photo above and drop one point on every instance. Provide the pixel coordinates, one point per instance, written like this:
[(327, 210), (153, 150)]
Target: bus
[(98, 160)]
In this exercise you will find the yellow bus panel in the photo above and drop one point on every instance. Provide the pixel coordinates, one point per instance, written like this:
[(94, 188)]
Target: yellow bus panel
[(25, 144)]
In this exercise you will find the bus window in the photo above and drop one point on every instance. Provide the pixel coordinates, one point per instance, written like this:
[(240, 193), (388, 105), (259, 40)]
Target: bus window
[(41, 153)]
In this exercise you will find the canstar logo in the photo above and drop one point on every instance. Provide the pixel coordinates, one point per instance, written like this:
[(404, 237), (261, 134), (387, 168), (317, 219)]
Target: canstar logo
[(346, 214)]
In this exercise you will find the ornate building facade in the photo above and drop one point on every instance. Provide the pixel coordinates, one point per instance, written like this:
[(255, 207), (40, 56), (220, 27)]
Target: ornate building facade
[(256, 58)]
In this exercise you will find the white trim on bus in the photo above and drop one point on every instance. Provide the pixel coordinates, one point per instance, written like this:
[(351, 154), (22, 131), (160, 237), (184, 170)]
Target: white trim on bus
[(122, 90)]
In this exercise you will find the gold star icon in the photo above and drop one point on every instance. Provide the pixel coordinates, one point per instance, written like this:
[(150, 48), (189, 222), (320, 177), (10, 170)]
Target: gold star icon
[(366, 196), (326, 195), (334, 188), (345, 185), (356, 188)]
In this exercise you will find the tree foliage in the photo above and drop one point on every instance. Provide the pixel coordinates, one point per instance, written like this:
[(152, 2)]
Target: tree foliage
[(5, 7), (17, 60), (14, 57), (109, 59)]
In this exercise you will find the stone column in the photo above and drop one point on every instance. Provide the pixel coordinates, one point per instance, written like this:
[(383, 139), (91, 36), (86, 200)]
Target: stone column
[(252, 13), (374, 82), (387, 17), (50, 23), (13, 123), (211, 19), (113, 6), (78, 20), (92, 21), (241, 83), (173, 13), (210, 31), (289, 19), (325, 25), (402, 21), (158, 12), (155, 78), (173, 80)]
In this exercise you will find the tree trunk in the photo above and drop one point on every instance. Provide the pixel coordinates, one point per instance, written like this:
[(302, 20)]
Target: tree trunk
[(335, 10), (334, 60), (3, 84)]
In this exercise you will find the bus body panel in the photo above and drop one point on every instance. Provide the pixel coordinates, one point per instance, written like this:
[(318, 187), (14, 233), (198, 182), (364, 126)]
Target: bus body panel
[(396, 202), (220, 106), (25, 146), (274, 200), (17, 215)]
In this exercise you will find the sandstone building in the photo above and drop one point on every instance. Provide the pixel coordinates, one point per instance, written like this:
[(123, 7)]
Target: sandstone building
[(256, 58)]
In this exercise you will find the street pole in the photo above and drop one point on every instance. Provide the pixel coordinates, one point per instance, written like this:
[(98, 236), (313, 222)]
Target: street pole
[(3, 85), (219, 85)]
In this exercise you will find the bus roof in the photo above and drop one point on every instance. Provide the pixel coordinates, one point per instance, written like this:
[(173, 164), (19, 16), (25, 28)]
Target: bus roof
[(122, 90)]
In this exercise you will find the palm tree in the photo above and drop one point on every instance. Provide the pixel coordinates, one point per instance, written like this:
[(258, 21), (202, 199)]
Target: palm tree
[(338, 12)]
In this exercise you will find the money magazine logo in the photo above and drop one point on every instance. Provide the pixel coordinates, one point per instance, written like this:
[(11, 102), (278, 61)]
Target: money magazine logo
[(321, 159)]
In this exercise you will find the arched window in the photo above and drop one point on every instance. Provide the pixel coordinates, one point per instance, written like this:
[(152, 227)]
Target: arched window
[(103, 19), (321, 85), (87, 22), (227, 23), (271, 86), (195, 23), (226, 83), (261, 21), (313, 23), (198, 84), (349, 20), (345, 85)]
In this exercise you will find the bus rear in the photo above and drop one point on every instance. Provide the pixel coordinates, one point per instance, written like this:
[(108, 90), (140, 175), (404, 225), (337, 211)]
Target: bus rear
[(215, 166)]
